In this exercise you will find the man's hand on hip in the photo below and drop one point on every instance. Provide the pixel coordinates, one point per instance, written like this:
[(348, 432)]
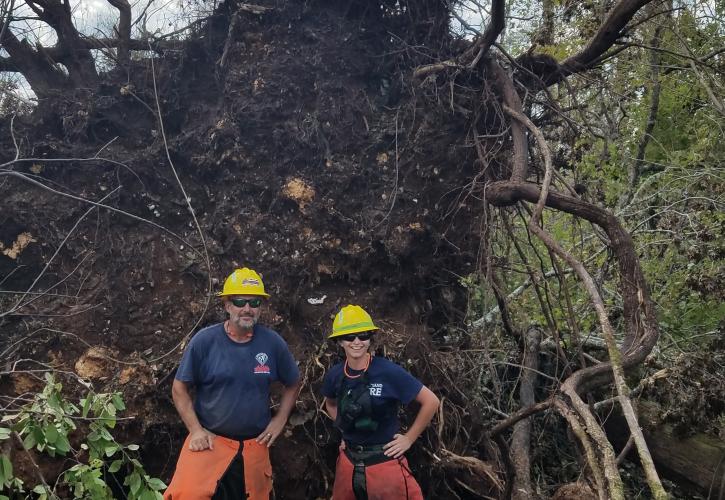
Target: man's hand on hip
[(273, 430), (201, 440)]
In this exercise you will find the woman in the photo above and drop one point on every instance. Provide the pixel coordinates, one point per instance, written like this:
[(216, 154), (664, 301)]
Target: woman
[(363, 395)]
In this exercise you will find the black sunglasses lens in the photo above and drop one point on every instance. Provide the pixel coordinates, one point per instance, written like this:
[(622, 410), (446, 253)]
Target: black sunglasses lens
[(362, 336), (253, 303)]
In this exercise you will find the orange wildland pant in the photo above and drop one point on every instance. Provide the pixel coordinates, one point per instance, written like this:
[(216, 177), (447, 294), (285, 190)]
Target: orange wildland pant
[(198, 472), (390, 480)]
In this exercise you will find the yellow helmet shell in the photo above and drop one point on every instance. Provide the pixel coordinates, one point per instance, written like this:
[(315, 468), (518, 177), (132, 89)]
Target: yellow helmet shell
[(351, 319), (243, 281)]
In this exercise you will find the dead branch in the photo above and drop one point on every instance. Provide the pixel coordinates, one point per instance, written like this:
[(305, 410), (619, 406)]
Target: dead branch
[(519, 415), (230, 37), (580, 431), (478, 466), (716, 102), (488, 318), (428, 69), (521, 437), (254, 9)]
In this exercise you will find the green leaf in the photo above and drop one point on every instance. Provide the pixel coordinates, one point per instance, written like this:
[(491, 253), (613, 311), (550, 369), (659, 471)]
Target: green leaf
[(147, 495), (38, 435), (156, 484), (29, 442), (62, 445), (115, 466), (51, 434), (86, 402), (6, 469), (5, 433), (135, 483), (118, 402), (111, 449), (110, 409), (132, 447)]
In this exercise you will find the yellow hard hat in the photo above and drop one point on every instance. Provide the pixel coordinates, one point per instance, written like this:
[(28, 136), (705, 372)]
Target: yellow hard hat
[(243, 281), (351, 319)]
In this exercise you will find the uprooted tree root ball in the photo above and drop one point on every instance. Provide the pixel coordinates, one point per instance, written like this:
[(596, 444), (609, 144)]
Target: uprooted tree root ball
[(352, 152)]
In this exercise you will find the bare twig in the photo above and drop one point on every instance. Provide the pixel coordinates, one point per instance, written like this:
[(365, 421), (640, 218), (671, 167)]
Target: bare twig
[(187, 199), (37, 470), (26, 178), (14, 308)]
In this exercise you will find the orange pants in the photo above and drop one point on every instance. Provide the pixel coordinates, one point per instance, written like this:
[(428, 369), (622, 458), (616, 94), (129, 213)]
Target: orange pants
[(389, 480), (199, 472)]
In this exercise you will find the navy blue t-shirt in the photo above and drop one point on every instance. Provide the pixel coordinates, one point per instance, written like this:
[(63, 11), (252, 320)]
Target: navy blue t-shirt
[(232, 379), (389, 384)]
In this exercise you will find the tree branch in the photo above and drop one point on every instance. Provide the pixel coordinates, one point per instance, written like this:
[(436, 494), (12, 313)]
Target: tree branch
[(608, 33), (512, 101), (123, 29), (478, 47)]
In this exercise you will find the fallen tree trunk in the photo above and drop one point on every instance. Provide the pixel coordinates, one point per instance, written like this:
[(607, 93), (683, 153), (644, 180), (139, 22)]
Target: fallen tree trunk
[(697, 460)]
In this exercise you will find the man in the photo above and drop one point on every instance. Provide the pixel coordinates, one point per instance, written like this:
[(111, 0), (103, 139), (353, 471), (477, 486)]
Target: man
[(231, 366)]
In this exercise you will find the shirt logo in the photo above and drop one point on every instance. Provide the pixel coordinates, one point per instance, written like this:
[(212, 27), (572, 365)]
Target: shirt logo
[(376, 389), (262, 360)]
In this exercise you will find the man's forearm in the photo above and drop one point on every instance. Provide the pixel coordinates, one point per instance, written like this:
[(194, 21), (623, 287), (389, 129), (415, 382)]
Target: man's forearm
[(185, 406)]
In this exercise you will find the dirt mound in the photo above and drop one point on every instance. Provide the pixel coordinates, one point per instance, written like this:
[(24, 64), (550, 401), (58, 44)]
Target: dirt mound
[(303, 152)]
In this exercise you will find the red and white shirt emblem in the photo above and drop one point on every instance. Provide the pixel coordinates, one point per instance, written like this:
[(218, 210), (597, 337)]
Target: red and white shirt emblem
[(262, 360)]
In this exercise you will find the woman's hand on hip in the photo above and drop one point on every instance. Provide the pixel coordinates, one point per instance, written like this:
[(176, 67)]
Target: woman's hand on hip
[(398, 446)]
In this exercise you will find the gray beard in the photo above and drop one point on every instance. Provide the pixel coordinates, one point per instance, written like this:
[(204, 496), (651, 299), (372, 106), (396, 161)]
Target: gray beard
[(242, 324)]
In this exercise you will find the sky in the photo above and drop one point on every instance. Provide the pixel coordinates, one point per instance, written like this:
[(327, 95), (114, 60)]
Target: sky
[(96, 18)]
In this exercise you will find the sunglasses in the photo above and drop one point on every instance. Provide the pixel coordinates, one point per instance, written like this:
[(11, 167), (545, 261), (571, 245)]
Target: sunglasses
[(361, 336), (239, 302)]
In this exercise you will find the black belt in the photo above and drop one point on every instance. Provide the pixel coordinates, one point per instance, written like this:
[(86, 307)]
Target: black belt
[(366, 455), (241, 439)]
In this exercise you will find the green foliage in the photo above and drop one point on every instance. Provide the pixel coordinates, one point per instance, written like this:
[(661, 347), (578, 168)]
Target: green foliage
[(46, 423), (8, 482)]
